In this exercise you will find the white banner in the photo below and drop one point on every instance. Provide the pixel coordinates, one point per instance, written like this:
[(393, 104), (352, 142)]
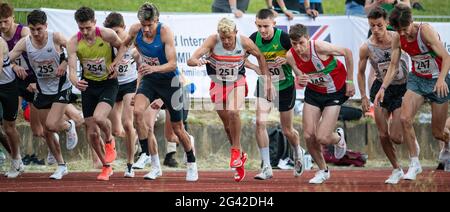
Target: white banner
[(191, 30)]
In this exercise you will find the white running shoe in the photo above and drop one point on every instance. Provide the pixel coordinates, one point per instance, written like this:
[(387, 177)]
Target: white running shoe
[(16, 169), (191, 138), (396, 176), (191, 172), (59, 173), (71, 136), (299, 165), (142, 161), (154, 173), (413, 170), (265, 174), (129, 173), (341, 147), (320, 177)]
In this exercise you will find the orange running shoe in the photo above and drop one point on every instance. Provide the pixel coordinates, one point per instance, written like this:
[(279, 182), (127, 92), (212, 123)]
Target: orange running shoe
[(105, 174), (235, 158), (110, 151), (240, 171)]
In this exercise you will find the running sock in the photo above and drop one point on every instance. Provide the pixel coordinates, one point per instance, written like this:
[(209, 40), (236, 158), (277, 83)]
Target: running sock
[(171, 147), (129, 166), (190, 156), (155, 160), (144, 146), (297, 151), (415, 160), (265, 156)]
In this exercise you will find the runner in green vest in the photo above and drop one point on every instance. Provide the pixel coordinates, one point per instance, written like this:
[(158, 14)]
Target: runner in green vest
[(273, 44)]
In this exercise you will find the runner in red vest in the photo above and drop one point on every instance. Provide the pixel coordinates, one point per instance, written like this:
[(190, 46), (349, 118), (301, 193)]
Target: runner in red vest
[(428, 80), (329, 86)]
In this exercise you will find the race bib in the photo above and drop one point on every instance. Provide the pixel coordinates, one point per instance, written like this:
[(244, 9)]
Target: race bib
[(45, 69), (276, 71), (123, 67), (425, 64), (95, 67), (227, 71), (382, 69), (20, 61), (318, 79), (151, 61)]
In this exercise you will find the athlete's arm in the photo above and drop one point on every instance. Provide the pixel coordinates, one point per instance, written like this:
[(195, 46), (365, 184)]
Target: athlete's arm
[(302, 78), (111, 37), (25, 32), (431, 37), (363, 57), (252, 66), (18, 49), (252, 49), (171, 54), (325, 48), (207, 46), (61, 41), (392, 70), (14, 54), (72, 52)]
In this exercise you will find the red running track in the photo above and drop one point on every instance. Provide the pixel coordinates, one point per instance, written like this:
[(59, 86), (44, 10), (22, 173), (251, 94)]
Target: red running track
[(214, 181)]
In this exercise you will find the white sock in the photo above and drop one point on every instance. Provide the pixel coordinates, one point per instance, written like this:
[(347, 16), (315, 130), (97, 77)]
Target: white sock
[(415, 160), (171, 147), (155, 160), (447, 146), (297, 151), (265, 156)]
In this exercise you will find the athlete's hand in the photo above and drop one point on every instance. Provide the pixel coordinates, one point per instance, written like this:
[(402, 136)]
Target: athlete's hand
[(20, 72), (145, 69), (62, 68), (280, 60), (157, 104), (350, 89), (202, 61), (269, 90), (441, 88), (379, 98), (365, 104), (32, 88), (302, 80), (81, 85), (112, 67)]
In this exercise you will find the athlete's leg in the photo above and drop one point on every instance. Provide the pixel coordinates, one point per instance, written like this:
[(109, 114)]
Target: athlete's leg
[(311, 117), (116, 119), (381, 120), (410, 106)]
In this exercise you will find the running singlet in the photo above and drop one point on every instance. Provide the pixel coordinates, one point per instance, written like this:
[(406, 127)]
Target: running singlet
[(94, 58), (380, 59), (126, 68), (45, 62), (7, 74), (226, 66), (153, 54), (426, 64), (23, 59), (325, 76), (282, 77)]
